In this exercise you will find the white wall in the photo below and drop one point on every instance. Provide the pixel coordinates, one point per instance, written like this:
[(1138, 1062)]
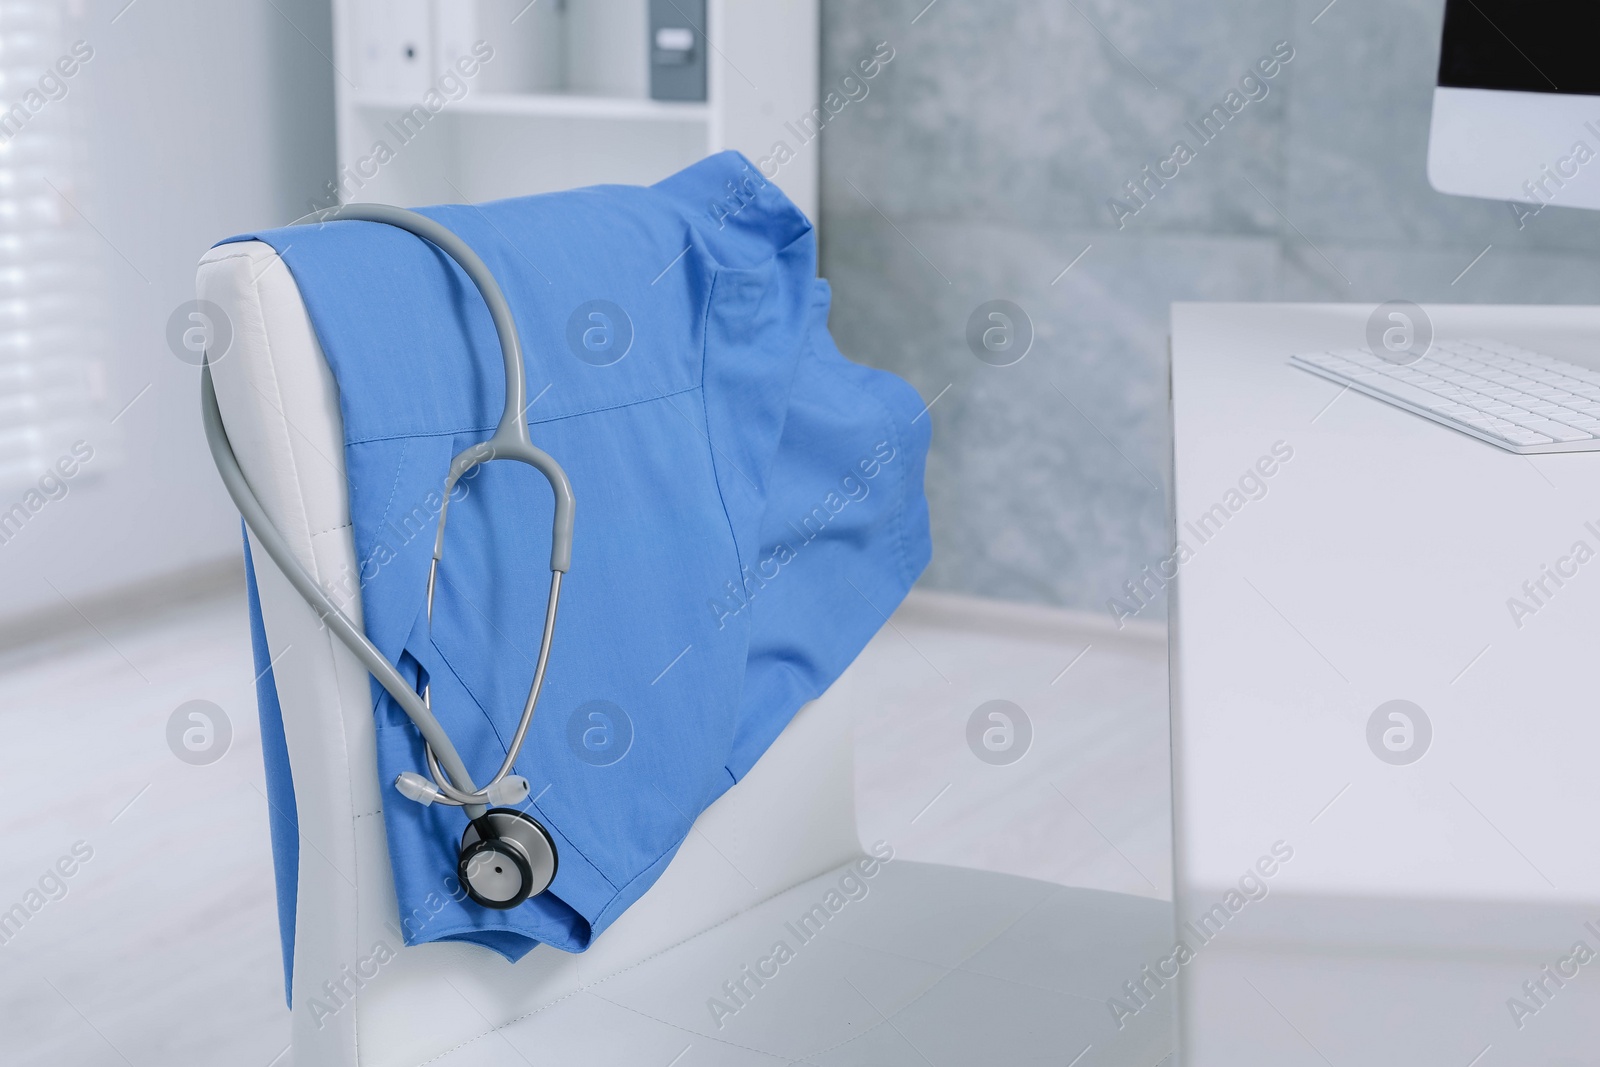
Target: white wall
[(207, 119)]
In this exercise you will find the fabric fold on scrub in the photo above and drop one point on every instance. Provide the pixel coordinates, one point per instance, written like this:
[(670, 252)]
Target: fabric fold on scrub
[(749, 510)]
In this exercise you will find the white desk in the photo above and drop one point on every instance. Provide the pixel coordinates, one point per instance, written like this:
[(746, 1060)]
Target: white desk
[(1378, 566)]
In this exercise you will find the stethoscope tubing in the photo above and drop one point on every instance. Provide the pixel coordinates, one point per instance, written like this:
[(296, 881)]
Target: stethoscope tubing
[(277, 548), (451, 779)]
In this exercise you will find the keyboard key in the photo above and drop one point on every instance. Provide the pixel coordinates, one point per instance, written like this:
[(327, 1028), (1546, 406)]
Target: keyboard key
[(1525, 437), (1554, 429), (1410, 394)]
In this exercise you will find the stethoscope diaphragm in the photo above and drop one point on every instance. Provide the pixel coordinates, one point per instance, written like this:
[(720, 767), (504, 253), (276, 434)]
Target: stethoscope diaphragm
[(518, 862)]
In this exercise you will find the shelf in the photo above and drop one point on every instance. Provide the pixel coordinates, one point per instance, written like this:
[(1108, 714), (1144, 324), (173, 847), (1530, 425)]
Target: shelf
[(546, 118), (554, 105)]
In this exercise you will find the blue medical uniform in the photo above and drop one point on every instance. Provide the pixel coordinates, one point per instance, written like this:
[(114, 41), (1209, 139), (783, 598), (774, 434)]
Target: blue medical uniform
[(749, 510)]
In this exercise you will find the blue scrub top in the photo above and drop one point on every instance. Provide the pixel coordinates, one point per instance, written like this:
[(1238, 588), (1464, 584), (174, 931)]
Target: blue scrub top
[(749, 510)]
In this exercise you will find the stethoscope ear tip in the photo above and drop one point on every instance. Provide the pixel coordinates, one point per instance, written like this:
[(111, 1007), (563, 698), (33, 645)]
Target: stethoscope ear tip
[(413, 786), (512, 789)]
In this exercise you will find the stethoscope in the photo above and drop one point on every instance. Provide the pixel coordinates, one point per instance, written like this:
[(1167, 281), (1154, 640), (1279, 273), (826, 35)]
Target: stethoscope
[(506, 856)]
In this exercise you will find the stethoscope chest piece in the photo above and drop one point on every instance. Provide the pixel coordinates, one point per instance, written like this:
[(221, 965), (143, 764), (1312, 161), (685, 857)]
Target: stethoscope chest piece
[(504, 870)]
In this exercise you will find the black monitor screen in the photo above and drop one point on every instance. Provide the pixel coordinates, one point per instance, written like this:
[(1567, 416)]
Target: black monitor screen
[(1535, 46)]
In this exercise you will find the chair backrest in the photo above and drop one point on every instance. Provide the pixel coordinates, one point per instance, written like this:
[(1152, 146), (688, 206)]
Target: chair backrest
[(790, 819)]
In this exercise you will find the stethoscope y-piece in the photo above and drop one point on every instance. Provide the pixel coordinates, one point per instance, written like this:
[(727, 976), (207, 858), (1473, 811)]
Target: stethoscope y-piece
[(505, 855)]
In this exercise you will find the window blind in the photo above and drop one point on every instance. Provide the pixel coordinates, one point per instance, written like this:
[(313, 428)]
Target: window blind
[(51, 379)]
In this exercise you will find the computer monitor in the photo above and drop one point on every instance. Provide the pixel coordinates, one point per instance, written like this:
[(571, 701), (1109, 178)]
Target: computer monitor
[(1516, 115)]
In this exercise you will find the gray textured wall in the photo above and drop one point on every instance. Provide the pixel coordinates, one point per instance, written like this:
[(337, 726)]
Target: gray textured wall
[(981, 162)]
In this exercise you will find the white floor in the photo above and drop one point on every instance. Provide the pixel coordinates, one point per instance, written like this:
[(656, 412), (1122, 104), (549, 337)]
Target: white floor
[(164, 950), (1088, 805)]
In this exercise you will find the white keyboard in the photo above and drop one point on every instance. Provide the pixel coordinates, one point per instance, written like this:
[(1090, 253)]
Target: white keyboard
[(1520, 400)]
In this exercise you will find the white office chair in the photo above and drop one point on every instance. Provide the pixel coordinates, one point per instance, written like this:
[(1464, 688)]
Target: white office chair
[(934, 965)]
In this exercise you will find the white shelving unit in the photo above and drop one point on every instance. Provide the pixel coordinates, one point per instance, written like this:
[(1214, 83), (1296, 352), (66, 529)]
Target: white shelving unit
[(562, 99)]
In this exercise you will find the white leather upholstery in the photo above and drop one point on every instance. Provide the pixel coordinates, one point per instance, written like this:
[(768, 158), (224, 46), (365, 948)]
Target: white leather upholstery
[(754, 860)]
